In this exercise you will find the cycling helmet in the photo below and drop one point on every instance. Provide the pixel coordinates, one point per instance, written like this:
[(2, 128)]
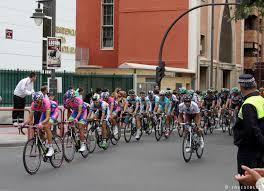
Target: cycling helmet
[(142, 93), (209, 91), (96, 97), (198, 92), (183, 91), (150, 93), (190, 92), (131, 92), (235, 90), (174, 92), (70, 94), (187, 98), (161, 93), (105, 95), (36, 96)]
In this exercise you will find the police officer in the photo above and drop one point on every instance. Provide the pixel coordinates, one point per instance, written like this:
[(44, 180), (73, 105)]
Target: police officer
[(249, 127)]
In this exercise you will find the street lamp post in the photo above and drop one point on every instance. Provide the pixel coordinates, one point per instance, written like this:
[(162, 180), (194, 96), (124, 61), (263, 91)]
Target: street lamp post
[(161, 63), (39, 16)]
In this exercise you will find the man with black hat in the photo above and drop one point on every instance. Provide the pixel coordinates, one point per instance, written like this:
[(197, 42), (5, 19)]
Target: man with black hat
[(249, 128)]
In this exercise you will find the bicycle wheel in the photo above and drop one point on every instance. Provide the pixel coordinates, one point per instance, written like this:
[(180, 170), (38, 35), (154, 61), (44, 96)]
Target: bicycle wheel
[(199, 150), (127, 132), (222, 123), (187, 155), (31, 151), (91, 140), (69, 147), (57, 158), (158, 130)]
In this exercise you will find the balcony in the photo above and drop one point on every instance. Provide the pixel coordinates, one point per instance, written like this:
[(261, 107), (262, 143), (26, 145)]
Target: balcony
[(252, 36), (249, 62)]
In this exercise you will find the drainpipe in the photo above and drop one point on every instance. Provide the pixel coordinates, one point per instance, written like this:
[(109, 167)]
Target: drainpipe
[(135, 80)]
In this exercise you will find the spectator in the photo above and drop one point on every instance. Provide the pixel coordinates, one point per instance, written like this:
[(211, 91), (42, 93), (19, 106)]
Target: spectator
[(24, 88), (79, 93), (252, 177), (248, 130), (44, 90), (1, 99)]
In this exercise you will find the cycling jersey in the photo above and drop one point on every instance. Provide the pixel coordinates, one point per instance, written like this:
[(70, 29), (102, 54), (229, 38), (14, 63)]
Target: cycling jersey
[(143, 103), (223, 98), (111, 101), (163, 103), (102, 107), (46, 105), (193, 109), (153, 100), (132, 102), (208, 101), (75, 104)]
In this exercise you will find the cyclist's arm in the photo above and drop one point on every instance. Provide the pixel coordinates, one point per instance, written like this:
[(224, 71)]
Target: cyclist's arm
[(137, 106), (148, 106), (125, 107)]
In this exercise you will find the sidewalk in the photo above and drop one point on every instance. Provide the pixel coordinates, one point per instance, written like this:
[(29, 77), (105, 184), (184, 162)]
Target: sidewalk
[(9, 137)]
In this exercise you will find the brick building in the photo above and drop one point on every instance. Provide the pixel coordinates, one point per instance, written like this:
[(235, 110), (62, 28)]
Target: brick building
[(123, 37)]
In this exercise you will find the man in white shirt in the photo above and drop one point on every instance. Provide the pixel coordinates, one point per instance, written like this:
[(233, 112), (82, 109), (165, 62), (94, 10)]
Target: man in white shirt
[(24, 88)]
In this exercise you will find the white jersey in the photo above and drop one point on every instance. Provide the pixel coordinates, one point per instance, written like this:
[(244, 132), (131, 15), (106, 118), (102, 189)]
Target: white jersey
[(193, 109)]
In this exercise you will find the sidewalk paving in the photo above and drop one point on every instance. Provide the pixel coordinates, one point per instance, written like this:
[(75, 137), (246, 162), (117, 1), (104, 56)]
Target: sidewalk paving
[(9, 137)]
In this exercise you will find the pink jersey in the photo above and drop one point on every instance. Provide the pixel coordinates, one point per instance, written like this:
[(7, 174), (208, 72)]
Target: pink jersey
[(46, 105), (76, 103), (111, 101)]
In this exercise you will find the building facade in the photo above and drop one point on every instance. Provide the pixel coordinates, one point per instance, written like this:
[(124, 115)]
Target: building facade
[(254, 47), (228, 47), (21, 39), (123, 37)]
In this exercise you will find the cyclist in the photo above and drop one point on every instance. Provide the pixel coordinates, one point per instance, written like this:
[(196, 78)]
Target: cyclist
[(183, 92), (188, 112), (100, 111), (78, 115), (133, 106), (113, 109), (235, 100), (162, 106), (223, 97), (170, 110), (49, 114)]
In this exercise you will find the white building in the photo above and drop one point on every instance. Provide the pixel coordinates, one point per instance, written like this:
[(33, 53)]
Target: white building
[(21, 39)]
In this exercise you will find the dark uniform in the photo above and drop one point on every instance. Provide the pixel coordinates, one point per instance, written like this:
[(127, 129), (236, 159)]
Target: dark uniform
[(249, 133)]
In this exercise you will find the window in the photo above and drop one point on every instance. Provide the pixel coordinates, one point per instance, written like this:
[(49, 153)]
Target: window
[(178, 86), (202, 45), (107, 30)]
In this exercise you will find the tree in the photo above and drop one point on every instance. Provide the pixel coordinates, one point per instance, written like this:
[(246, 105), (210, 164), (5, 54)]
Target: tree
[(246, 8)]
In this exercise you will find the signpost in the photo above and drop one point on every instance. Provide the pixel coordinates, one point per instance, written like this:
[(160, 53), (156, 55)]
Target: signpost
[(53, 52)]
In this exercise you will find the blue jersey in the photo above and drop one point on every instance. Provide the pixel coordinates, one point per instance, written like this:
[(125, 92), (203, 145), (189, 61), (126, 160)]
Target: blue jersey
[(143, 103), (132, 101), (163, 103)]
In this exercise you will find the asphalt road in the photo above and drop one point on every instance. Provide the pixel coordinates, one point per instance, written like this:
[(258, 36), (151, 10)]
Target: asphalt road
[(145, 165)]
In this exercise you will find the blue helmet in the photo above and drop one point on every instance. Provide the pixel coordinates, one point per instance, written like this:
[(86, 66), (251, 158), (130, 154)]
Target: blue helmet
[(37, 96), (70, 94)]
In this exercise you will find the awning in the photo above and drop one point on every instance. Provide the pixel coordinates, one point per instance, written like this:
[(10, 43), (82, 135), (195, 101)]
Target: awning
[(152, 67)]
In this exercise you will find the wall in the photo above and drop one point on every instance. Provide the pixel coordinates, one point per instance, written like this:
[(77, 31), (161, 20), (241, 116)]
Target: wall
[(142, 25), (88, 32), (66, 17), (24, 51)]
